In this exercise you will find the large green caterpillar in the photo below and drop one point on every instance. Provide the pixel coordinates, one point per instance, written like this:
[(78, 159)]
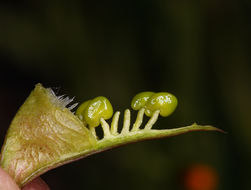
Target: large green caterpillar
[(45, 134)]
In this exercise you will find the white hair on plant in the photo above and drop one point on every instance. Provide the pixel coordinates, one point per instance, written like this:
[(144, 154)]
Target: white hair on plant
[(62, 101)]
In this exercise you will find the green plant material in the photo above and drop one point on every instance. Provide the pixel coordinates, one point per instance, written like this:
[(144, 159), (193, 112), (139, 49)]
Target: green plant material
[(96, 111), (139, 101), (98, 108), (45, 134), (165, 102), (81, 109), (153, 105)]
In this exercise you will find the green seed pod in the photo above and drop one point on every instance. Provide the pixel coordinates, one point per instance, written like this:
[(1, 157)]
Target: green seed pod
[(45, 134), (140, 100), (162, 101), (81, 109), (99, 107), (42, 135)]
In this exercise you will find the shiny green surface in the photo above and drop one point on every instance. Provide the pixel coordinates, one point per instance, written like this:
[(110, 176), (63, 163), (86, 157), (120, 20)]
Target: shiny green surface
[(99, 107), (81, 109), (140, 100), (163, 101)]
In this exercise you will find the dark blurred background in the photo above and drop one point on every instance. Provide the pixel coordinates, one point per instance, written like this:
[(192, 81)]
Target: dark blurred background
[(197, 50)]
